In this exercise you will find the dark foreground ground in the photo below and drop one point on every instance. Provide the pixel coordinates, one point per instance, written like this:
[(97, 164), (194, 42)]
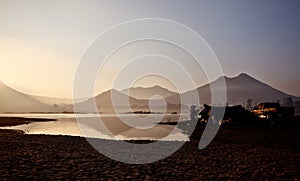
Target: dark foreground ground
[(13, 121), (260, 152)]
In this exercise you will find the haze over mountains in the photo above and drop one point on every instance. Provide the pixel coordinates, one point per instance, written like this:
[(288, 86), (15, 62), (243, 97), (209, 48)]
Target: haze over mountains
[(148, 92), (52, 100), (104, 102), (239, 89), (14, 101)]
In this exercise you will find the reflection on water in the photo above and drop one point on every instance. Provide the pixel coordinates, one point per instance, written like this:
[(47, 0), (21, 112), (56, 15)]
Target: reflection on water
[(124, 127)]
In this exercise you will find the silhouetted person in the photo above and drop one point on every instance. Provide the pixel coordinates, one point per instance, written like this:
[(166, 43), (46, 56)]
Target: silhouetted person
[(205, 112), (194, 113)]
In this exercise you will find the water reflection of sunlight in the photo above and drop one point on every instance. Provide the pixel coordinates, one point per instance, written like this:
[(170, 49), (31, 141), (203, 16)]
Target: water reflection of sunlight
[(69, 126)]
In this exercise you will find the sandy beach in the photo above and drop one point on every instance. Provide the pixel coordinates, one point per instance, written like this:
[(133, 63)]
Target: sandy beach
[(241, 152)]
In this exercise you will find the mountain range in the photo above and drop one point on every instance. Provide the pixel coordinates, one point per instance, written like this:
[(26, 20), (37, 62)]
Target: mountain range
[(148, 92), (239, 90)]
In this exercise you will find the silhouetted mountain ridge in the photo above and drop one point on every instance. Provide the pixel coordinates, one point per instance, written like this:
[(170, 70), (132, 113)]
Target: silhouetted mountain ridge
[(147, 92), (238, 90)]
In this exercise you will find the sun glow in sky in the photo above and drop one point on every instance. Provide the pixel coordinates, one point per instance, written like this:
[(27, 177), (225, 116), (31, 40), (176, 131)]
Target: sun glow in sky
[(41, 42)]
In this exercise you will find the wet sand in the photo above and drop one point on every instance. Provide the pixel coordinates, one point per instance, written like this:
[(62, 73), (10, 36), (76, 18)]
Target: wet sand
[(240, 152)]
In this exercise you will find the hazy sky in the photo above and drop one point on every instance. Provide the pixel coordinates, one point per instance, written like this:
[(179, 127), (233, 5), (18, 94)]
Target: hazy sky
[(41, 42)]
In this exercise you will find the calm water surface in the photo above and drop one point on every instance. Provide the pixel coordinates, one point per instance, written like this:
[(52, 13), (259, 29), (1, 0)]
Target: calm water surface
[(121, 127)]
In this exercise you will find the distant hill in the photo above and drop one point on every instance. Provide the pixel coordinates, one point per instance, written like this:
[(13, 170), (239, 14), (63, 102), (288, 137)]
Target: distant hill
[(239, 89), (52, 100), (243, 87), (147, 92), (104, 103), (14, 101), (55, 100)]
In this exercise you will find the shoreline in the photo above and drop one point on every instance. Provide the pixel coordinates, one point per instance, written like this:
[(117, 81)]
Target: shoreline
[(15, 121), (255, 152)]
